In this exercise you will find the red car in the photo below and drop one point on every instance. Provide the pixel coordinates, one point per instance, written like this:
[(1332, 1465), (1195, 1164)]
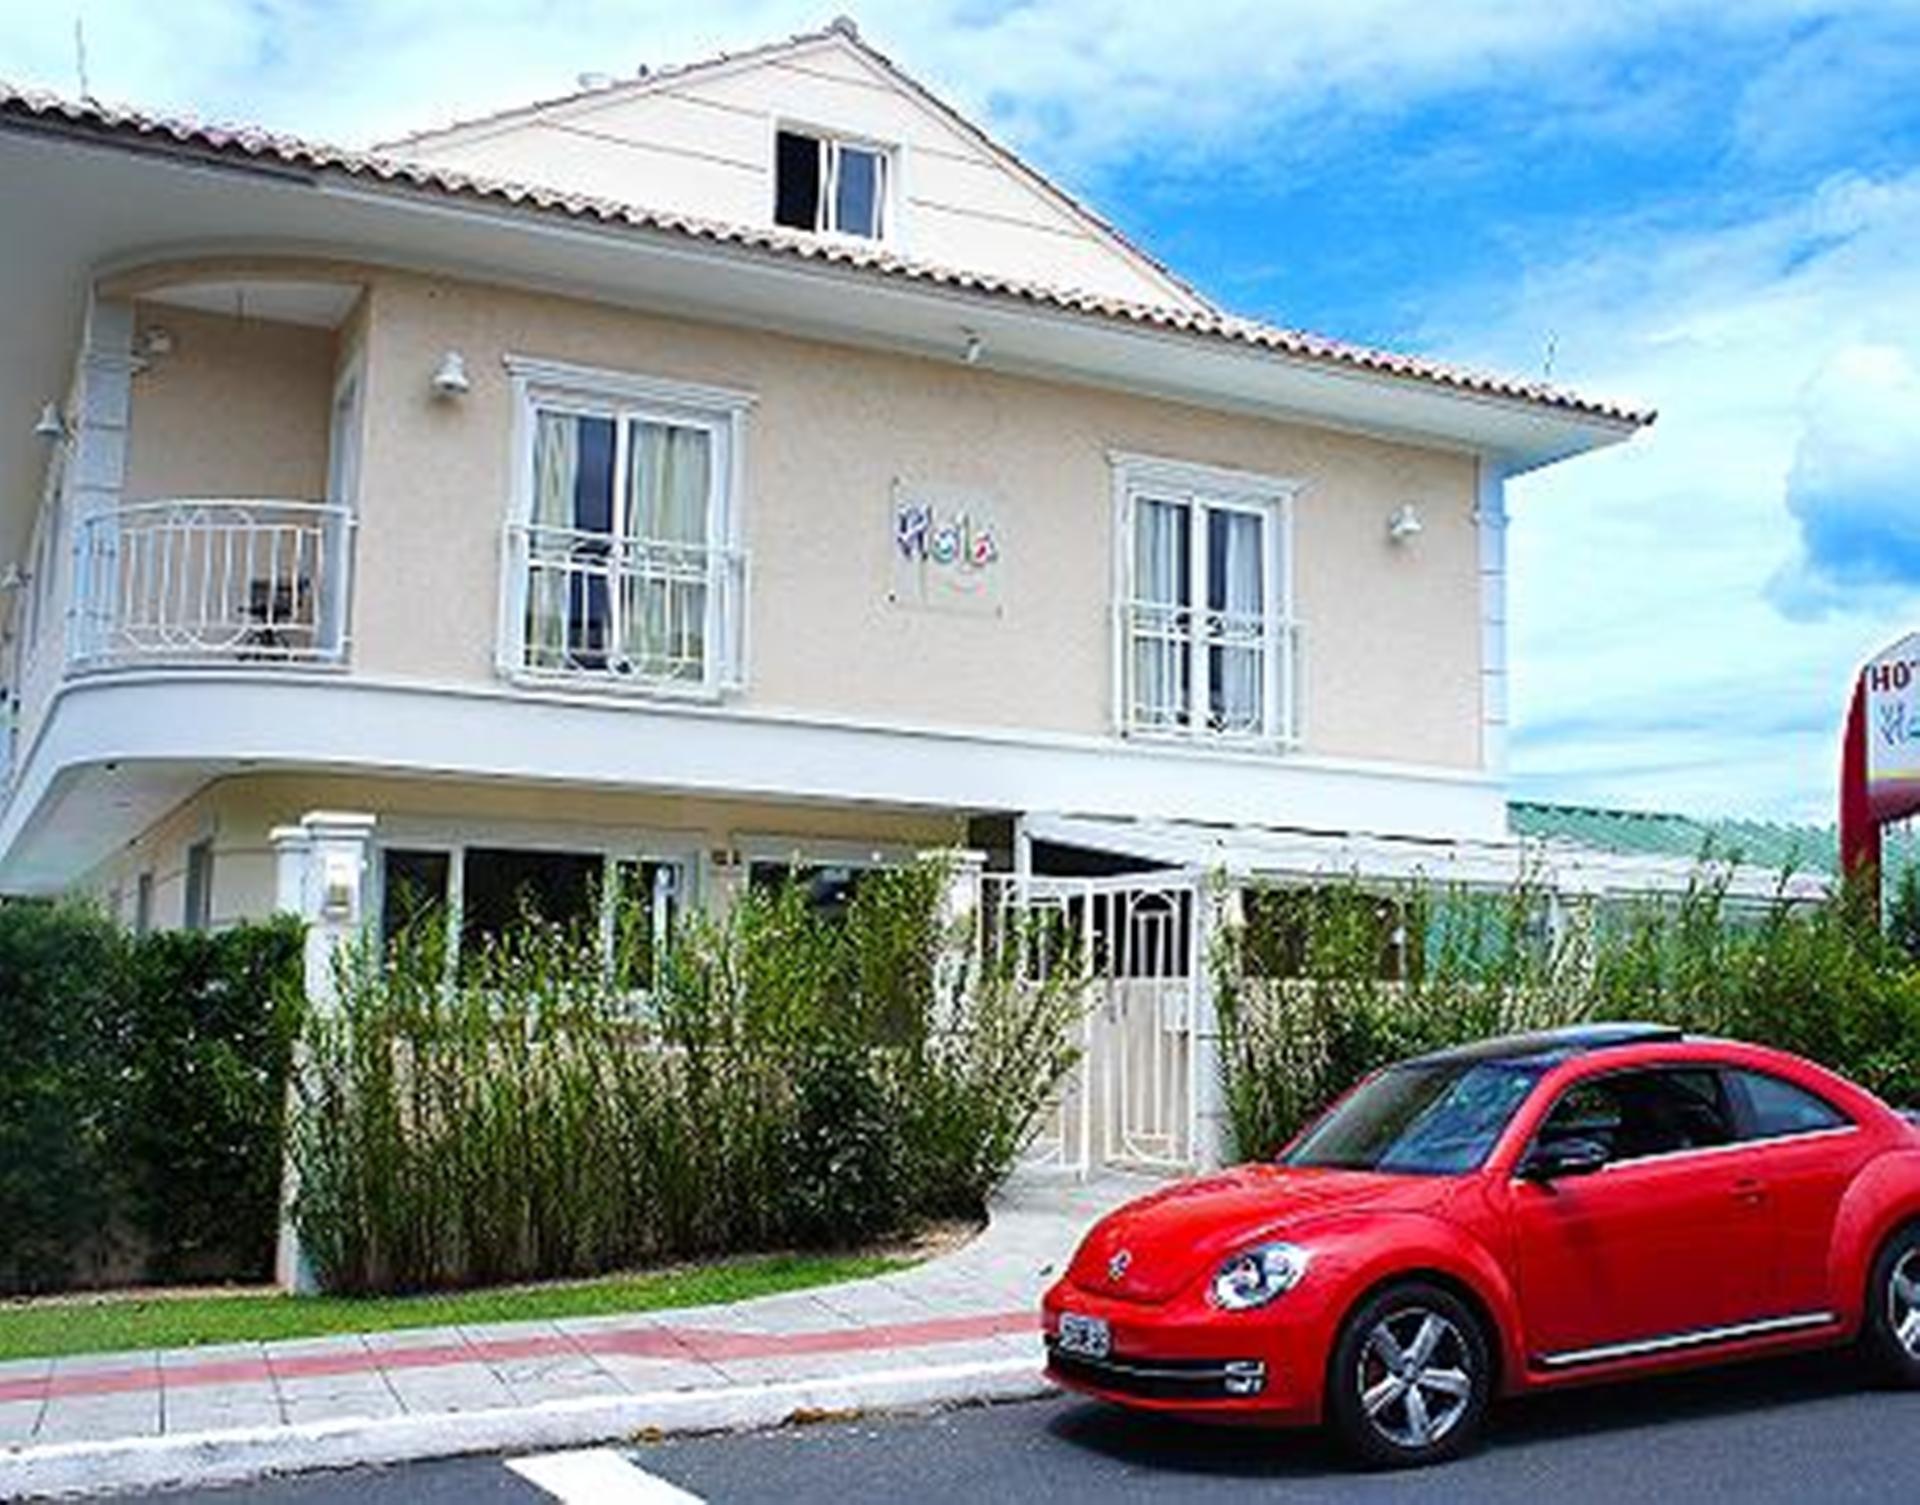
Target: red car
[(1545, 1210)]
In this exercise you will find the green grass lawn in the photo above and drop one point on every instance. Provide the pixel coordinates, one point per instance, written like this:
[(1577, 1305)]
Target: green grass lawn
[(80, 1325)]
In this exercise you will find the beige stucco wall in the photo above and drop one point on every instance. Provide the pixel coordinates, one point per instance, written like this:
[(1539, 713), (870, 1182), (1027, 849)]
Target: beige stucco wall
[(238, 408), (1391, 634), (237, 814)]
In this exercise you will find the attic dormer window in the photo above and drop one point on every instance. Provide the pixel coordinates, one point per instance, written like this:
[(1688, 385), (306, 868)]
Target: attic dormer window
[(822, 183)]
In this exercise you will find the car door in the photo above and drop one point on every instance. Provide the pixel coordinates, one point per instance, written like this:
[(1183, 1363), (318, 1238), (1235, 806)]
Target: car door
[(1667, 1238), (1806, 1154)]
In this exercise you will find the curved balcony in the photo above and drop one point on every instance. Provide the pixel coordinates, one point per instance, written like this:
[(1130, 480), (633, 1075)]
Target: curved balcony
[(260, 581)]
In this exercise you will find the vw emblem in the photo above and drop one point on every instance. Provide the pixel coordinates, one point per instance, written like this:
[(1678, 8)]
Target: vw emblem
[(1117, 1266)]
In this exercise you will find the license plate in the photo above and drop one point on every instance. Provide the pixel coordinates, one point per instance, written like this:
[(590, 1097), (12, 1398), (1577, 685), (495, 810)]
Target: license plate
[(1088, 1337)]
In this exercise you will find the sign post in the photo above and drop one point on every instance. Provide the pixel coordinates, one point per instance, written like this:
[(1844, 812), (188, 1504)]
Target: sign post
[(1880, 757)]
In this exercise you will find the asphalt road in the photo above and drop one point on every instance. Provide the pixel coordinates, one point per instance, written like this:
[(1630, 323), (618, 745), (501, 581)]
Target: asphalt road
[(1797, 1431)]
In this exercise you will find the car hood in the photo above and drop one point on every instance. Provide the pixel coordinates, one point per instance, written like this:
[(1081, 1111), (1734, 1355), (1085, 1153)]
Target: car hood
[(1174, 1235)]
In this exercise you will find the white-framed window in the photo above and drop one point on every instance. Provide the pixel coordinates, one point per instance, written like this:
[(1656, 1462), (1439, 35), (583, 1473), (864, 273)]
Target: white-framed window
[(624, 567), (1207, 644), (197, 900), (831, 184), (479, 887)]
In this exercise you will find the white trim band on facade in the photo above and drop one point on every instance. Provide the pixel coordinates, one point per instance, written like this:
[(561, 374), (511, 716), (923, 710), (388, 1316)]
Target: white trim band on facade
[(343, 724)]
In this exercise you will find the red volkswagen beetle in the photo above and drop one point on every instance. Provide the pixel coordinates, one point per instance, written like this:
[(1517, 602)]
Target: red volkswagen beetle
[(1545, 1210)]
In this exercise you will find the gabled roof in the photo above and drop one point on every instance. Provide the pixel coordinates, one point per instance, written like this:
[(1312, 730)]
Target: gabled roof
[(193, 141), (841, 33)]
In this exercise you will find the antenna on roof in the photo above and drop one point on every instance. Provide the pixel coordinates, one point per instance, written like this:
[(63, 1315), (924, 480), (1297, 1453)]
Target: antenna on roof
[(1553, 350), (846, 26), (80, 54)]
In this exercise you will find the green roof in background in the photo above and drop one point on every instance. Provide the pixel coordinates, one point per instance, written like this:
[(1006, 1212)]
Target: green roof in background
[(1761, 843)]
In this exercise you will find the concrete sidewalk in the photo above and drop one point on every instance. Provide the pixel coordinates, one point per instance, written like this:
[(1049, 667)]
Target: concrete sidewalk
[(960, 1327)]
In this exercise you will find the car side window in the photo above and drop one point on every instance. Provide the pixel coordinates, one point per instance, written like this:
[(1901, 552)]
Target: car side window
[(1635, 1115), (1777, 1108)]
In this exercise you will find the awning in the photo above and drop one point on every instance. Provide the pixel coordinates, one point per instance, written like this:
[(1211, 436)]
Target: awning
[(1262, 853)]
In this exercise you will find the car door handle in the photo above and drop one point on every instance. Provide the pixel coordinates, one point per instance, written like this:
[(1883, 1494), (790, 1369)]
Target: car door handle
[(1749, 1192)]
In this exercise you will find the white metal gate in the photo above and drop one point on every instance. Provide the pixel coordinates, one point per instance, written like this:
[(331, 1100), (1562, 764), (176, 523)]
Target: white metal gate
[(1132, 1098)]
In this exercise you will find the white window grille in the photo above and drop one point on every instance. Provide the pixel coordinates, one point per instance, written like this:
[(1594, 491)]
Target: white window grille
[(1208, 647), (621, 563)]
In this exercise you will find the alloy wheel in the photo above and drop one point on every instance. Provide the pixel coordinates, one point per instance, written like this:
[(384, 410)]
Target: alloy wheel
[(1903, 1302), (1416, 1373)]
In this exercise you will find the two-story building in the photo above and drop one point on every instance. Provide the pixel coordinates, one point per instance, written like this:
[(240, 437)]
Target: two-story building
[(728, 467)]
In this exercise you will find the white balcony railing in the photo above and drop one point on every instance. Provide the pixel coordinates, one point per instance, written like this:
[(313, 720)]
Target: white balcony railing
[(211, 582), (647, 613)]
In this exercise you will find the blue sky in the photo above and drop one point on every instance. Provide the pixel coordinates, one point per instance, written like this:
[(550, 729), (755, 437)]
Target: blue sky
[(1711, 207)]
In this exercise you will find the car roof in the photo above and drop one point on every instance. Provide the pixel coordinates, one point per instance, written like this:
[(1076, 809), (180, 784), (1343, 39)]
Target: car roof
[(1552, 1046)]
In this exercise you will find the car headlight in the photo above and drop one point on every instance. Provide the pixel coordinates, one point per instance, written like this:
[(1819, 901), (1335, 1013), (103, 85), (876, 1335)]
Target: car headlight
[(1256, 1276)]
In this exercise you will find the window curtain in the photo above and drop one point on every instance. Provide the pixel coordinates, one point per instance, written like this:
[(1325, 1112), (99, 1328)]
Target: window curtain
[(669, 579), (1236, 593), (1161, 626), (556, 473)]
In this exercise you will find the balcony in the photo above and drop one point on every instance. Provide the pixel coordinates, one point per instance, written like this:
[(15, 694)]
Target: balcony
[(184, 582), (645, 614)]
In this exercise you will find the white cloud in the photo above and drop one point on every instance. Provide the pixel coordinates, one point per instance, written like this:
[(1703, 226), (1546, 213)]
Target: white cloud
[(1651, 666)]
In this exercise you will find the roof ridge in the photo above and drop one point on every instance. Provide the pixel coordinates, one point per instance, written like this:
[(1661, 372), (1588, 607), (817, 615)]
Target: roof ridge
[(41, 107)]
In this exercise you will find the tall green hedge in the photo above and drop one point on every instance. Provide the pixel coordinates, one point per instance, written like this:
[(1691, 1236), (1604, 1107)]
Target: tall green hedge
[(1320, 986), (142, 1097)]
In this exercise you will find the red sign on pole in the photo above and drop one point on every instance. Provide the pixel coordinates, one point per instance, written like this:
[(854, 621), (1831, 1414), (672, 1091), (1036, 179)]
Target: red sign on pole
[(1880, 757)]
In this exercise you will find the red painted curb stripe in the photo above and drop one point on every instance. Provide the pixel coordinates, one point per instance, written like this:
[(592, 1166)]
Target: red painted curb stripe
[(640, 1342)]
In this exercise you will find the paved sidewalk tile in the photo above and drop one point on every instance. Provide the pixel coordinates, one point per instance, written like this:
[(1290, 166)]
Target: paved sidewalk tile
[(449, 1387), (18, 1418), (220, 1410), (80, 1417), (646, 1376)]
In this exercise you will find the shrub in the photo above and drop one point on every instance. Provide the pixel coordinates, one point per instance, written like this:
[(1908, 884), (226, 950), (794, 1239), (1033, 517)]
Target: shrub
[(789, 1079), (1308, 1004), (142, 1089)]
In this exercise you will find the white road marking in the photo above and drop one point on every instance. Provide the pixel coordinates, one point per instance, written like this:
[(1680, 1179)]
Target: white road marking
[(598, 1476)]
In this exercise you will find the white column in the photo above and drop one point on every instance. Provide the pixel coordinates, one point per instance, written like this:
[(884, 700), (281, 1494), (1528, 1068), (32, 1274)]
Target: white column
[(320, 874), (1219, 911), (959, 917), (1491, 515)]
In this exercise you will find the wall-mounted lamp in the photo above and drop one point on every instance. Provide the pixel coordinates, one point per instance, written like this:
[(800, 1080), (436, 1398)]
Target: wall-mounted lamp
[(450, 379), (974, 348), (50, 424), (1404, 524), (14, 580), (156, 341)]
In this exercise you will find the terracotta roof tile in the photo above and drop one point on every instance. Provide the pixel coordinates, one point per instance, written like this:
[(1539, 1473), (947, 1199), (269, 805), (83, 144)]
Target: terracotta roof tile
[(30, 109)]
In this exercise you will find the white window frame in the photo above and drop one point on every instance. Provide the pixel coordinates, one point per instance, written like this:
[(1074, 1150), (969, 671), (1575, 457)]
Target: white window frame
[(624, 397), (454, 840), (1204, 488), (832, 143)]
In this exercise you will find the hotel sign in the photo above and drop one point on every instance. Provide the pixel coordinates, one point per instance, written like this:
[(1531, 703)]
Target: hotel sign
[(1892, 681), (946, 548)]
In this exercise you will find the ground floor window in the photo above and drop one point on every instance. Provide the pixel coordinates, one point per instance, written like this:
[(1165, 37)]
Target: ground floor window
[(480, 892), (829, 887)]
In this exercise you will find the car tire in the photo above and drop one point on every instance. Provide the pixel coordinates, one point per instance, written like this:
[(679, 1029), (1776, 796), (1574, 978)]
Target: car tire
[(1892, 1332), (1410, 1378)]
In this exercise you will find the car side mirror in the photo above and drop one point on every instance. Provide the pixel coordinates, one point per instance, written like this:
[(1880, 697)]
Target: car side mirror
[(1562, 1158)]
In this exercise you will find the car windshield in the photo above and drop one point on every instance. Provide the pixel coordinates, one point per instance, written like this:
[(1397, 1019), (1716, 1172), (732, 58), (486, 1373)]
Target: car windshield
[(1432, 1118)]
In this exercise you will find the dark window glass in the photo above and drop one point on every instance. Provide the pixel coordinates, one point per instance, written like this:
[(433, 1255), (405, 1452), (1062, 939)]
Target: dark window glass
[(501, 886), (1776, 1108), (829, 887), (1437, 1119), (199, 900), (796, 181), (1636, 1114), (413, 889)]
